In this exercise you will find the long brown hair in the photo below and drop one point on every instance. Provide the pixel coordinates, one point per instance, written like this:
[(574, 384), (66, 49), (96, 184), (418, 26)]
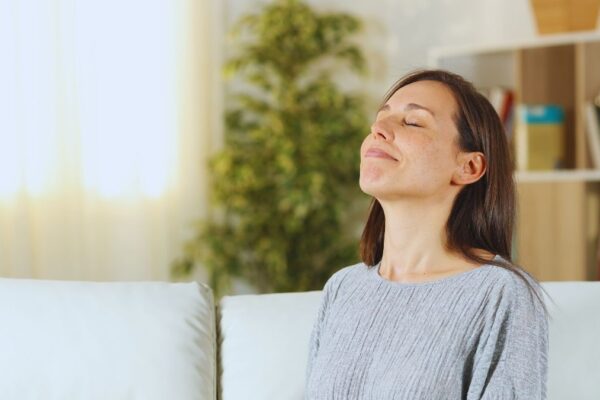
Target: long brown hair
[(483, 212)]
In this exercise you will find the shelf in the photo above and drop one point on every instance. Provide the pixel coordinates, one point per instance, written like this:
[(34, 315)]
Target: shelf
[(584, 175), (437, 53)]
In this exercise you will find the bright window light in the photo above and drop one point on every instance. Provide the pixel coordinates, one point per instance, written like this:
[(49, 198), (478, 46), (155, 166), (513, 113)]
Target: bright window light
[(88, 98)]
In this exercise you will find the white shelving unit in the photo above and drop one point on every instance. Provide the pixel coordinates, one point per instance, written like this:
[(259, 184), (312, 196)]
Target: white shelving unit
[(438, 55), (589, 175)]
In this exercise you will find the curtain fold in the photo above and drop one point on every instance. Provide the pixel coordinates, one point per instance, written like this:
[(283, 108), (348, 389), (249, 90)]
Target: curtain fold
[(108, 113)]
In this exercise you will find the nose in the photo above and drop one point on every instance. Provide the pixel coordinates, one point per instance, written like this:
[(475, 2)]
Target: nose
[(380, 131)]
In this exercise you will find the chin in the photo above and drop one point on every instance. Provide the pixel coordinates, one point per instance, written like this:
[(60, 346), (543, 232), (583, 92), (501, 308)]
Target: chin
[(372, 176), (372, 188)]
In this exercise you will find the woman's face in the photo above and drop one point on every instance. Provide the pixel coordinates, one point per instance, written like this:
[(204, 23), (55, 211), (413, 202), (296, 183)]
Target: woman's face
[(415, 127)]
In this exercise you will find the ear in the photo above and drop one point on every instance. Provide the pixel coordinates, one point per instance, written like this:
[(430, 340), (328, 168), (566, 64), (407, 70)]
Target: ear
[(470, 168)]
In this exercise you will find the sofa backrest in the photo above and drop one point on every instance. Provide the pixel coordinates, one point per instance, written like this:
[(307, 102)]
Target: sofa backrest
[(263, 344), (157, 340), (106, 340), (264, 339), (574, 357)]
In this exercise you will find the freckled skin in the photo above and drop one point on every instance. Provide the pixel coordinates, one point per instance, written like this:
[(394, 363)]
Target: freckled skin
[(427, 155)]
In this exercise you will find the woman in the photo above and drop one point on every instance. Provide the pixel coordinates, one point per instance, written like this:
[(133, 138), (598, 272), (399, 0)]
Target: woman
[(436, 309)]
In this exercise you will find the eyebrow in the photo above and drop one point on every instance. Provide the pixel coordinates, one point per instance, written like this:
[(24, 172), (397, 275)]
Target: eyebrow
[(409, 106)]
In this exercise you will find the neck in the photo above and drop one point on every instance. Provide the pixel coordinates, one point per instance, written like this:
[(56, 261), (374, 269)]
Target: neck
[(415, 237)]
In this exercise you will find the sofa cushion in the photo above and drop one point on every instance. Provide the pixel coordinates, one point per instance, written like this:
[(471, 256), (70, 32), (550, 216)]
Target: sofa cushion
[(106, 340), (574, 350), (264, 344)]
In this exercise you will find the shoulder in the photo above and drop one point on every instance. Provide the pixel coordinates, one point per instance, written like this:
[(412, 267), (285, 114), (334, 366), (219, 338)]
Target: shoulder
[(516, 280), (518, 292), (343, 275)]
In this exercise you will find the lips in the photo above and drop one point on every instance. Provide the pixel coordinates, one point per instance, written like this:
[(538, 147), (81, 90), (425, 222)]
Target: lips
[(374, 152)]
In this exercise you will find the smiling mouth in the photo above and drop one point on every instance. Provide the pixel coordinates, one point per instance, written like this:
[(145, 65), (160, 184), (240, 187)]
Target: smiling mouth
[(379, 154)]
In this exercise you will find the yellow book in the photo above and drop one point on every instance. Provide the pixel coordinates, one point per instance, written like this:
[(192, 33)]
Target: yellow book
[(539, 142)]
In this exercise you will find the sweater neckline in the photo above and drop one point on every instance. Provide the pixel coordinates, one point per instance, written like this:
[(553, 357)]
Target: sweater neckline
[(374, 272)]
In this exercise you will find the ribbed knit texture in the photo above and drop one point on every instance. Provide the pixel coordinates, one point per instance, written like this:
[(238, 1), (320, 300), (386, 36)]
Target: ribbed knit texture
[(474, 335)]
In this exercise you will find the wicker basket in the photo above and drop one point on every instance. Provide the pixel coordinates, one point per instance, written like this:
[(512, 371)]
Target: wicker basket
[(554, 16)]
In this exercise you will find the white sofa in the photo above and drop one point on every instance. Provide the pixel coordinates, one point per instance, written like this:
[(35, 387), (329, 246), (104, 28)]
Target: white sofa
[(154, 340)]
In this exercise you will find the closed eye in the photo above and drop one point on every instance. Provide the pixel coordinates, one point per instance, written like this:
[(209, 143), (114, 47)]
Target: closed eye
[(411, 124)]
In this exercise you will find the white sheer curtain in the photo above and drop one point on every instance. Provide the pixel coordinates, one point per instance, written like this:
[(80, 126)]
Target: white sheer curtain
[(108, 111)]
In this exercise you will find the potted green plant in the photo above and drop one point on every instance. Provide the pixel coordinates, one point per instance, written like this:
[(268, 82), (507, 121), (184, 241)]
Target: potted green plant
[(288, 173)]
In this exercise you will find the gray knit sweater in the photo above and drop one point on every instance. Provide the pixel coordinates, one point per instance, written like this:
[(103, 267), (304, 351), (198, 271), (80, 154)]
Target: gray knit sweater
[(475, 335)]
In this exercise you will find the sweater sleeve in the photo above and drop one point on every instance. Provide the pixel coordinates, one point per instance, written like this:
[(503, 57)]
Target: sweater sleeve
[(313, 345), (329, 293), (511, 361)]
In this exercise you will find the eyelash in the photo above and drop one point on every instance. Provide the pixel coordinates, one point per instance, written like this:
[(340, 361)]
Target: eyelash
[(415, 125)]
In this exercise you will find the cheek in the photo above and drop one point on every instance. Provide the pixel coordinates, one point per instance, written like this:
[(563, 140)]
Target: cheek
[(363, 146), (418, 147), (433, 160)]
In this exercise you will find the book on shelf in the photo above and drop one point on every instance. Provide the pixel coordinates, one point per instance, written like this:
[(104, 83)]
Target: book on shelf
[(592, 116), (502, 99), (539, 137)]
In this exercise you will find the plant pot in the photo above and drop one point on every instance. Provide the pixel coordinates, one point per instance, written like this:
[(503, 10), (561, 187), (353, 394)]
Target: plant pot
[(553, 16)]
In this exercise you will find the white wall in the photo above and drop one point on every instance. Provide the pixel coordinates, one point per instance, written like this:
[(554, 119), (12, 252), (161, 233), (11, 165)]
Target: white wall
[(399, 33)]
